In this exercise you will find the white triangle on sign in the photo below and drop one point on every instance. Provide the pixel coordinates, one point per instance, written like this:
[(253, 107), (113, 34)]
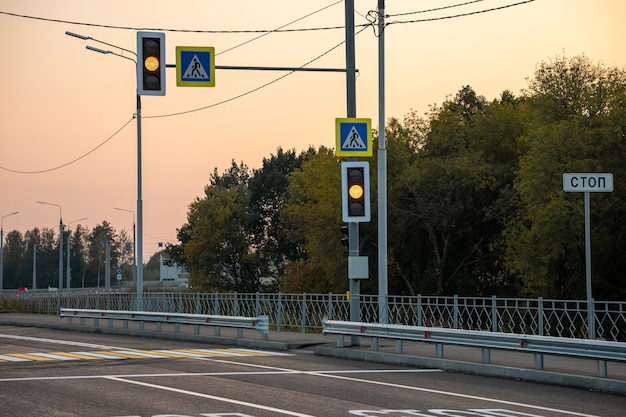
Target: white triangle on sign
[(195, 70), (353, 140)]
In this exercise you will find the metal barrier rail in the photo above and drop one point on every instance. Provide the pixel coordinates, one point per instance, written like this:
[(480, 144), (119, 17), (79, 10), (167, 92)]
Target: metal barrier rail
[(260, 323), (600, 350)]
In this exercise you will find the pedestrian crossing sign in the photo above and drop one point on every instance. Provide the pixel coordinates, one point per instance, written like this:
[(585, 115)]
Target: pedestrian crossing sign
[(353, 137), (195, 66)]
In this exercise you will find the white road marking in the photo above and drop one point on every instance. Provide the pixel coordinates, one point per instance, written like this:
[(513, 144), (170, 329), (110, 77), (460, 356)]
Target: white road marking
[(213, 397), (57, 341)]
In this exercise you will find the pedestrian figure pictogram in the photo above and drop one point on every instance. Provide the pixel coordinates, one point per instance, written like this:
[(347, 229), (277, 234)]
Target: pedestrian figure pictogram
[(354, 140), (195, 70)]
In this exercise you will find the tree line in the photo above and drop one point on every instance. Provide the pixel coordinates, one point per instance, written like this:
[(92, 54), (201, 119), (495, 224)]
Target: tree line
[(475, 201), (37, 250)]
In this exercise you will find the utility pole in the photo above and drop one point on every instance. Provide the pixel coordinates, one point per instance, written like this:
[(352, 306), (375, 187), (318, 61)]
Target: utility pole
[(383, 310)]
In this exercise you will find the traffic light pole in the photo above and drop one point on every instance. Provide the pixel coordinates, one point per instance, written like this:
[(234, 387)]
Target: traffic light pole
[(353, 227)]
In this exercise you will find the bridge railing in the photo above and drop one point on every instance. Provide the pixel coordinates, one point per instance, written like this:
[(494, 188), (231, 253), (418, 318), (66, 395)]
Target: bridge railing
[(304, 312)]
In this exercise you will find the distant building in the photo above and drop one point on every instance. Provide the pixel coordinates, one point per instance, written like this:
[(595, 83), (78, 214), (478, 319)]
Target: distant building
[(172, 273)]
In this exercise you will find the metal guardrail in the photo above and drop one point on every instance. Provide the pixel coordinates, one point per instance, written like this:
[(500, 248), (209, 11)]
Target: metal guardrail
[(599, 350), (260, 323)]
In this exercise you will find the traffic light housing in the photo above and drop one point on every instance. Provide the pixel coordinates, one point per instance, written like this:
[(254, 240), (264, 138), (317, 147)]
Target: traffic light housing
[(355, 192), (345, 239), (151, 63)]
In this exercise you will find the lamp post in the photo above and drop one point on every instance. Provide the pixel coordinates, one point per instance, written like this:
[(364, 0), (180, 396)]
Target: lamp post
[(68, 277), (60, 245), (139, 247), (2, 250), (134, 245)]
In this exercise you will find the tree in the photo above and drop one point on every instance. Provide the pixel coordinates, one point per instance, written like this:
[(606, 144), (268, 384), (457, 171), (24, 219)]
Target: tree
[(449, 194), (578, 125), (215, 241), (268, 194), (13, 250), (313, 218)]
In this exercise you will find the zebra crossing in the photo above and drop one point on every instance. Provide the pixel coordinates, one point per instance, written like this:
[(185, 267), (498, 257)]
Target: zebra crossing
[(121, 354)]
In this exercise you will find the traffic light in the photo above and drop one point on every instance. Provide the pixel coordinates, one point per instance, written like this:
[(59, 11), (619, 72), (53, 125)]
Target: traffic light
[(345, 240), (151, 63), (355, 191)]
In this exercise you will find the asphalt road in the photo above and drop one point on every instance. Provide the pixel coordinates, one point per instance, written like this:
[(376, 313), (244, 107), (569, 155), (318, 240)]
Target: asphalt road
[(46, 372)]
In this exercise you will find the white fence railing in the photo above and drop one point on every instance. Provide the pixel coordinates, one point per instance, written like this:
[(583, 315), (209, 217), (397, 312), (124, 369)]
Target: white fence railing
[(304, 312)]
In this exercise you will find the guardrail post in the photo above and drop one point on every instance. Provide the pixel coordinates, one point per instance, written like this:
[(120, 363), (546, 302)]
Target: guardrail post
[(125, 324), (486, 355), (82, 321), (375, 344), (96, 322), (264, 326), (439, 350), (110, 323), (340, 341), (141, 325), (602, 369), (538, 360), (399, 346), (196, 329), (239, 332)]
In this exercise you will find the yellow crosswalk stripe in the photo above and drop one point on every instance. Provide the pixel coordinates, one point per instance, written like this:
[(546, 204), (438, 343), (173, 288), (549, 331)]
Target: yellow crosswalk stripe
[(120, 354), (204, 352), (77, 356), (135, 354), (167, 353), (29, 357)]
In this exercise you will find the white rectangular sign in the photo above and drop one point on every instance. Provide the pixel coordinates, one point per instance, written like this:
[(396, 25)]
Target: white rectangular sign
[(588, 182)]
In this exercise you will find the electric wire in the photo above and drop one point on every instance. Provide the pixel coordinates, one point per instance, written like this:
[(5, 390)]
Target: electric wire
[(15, 171), (254, 89), (362, 27), (279, 30)]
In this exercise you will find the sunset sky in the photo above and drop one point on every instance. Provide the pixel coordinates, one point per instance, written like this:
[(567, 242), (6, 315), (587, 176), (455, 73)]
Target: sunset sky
[(67, 133)]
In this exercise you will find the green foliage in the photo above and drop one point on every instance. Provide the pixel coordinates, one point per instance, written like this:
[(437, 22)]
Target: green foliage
[(475, 203), (577, 125), (313, 213)]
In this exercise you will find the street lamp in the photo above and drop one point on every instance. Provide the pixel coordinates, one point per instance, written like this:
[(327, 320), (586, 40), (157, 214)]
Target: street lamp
[(60, 244), (2, 250), (69, 268), (139, 249), (134, 245)]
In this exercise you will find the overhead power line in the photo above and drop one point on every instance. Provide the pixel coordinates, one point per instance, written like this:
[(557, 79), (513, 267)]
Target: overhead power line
[(279, 30)]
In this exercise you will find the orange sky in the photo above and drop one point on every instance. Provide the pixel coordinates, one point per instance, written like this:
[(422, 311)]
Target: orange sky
[(61, 101)]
